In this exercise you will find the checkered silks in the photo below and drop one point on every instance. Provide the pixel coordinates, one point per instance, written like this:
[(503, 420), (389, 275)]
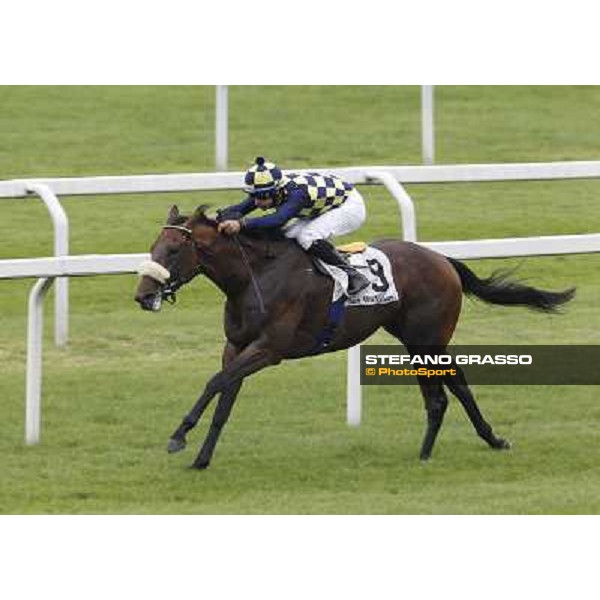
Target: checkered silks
[(325, 191)]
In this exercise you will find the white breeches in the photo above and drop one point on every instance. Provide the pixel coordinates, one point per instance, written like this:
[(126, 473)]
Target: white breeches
[(338, 221)]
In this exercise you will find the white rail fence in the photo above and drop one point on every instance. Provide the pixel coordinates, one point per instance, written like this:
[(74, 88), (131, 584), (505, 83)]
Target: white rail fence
[(49, 191), (392, 177), (47, 269)]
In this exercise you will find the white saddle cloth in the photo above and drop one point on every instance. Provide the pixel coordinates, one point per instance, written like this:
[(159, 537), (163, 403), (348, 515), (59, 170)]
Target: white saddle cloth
[(376, 266)]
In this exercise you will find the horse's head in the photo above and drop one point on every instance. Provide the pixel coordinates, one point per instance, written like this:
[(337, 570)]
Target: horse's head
[(175, 257)]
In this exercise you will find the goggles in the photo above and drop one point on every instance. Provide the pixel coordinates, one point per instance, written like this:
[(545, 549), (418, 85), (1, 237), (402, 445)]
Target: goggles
[(263, 194)]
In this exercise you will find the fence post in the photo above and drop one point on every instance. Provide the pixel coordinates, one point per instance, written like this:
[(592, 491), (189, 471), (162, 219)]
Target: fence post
[(427, 128), (409, 233), (60, 223), (221, 128), (33, 386)]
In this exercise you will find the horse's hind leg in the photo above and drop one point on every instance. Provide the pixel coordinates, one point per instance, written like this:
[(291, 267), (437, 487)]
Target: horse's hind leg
[(457, 384), (436, 403), (433, 393)]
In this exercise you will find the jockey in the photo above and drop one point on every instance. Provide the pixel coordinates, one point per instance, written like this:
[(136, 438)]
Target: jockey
[(322, 206)]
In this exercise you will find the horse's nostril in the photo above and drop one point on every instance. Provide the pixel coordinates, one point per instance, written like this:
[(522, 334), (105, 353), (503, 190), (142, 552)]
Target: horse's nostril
[(150, 302), (140, 299)]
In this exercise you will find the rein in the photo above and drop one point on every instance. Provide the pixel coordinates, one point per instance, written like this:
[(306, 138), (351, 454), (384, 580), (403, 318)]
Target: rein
[(261, 303), (259, 296)]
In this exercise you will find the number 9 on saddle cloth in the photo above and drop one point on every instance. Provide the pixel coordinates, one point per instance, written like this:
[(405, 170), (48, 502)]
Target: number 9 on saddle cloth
[(375, 265)]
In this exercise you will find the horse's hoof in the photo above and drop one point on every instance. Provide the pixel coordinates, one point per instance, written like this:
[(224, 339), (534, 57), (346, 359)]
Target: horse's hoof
[(199, 466), (502, 445), (175, 446)]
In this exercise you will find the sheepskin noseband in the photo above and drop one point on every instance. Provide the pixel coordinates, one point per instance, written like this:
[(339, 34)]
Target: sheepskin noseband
[(152, 269)]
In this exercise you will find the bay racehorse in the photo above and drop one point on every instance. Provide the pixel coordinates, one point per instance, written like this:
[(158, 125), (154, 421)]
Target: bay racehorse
[(278, 303)]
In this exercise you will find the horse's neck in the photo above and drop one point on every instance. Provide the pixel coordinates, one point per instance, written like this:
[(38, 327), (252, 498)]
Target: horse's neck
[(232, 268)]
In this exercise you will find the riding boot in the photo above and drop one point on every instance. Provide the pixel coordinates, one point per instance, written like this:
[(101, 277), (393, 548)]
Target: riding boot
[(329, 254)]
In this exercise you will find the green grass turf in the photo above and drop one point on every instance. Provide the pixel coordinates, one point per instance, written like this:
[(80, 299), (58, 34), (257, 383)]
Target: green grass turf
[(111, 399)]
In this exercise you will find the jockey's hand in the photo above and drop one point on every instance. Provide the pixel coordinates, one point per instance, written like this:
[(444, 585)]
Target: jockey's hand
[(229, 227)]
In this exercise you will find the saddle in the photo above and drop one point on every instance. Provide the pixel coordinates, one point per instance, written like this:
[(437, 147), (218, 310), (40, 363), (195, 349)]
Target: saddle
[(352, 248)]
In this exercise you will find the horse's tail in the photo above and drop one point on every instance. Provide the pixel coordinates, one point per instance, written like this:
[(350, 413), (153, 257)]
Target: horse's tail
[(499, 289)]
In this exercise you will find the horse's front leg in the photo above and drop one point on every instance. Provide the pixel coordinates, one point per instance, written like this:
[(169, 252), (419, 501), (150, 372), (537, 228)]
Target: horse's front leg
[(177, 441), (248, 362), (253, 358), (220, 417)]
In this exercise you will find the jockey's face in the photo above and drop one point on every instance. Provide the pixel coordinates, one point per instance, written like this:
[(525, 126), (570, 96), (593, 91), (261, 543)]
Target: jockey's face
[(264, 203), (265, 200)]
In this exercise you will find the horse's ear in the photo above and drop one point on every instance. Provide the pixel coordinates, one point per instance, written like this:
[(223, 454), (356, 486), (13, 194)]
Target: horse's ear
[(200, 213), (173, 215)]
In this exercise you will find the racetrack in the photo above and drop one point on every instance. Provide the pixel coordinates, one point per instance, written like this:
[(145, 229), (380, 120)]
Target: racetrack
[(111, 399)]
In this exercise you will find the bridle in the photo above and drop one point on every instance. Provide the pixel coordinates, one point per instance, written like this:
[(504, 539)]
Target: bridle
[(169, 290), (185, 230)]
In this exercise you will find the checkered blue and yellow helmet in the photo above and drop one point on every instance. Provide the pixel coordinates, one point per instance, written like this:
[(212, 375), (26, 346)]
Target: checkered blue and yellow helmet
[(262, 177)]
